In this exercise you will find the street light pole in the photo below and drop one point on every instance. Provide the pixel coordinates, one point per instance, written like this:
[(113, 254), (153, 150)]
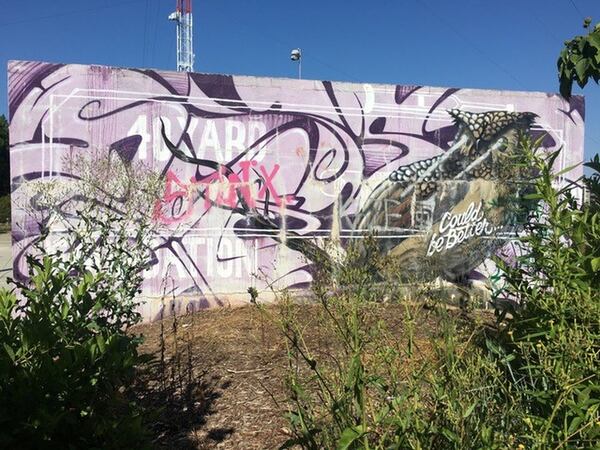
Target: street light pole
[(296, 55)]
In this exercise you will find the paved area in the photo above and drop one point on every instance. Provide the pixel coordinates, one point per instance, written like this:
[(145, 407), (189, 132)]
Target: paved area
[(5, 258)]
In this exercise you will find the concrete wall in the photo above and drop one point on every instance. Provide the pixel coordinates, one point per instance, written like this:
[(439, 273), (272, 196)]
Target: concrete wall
[(259, 170)]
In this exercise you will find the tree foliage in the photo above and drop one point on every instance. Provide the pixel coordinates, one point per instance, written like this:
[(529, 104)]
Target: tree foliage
[(4, 157), (579, 61), (4, 172)]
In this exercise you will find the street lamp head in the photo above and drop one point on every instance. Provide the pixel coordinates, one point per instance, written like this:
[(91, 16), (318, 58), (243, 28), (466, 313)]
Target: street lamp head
[(296, 54)]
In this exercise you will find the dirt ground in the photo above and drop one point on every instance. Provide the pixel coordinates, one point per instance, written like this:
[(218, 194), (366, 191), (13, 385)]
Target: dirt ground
[(225, 376), (221, 383)]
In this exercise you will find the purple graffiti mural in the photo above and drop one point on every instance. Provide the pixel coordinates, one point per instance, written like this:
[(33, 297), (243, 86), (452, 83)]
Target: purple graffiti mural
[(259, 171)]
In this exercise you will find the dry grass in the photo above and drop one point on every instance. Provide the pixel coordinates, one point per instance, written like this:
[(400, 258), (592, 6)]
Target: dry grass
[(222, 382)]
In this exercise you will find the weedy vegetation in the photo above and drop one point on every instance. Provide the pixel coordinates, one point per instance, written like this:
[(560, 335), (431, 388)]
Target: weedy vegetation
[(431, 377), (528, 378), (67, 359)]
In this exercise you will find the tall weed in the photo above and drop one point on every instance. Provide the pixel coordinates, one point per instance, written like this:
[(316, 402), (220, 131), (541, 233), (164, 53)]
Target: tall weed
[(553, 337), (449, 380)]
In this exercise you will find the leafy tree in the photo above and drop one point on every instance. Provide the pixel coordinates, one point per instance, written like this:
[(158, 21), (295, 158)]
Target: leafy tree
[(580, 59), (578, 62), (4, 157), (4, 173)]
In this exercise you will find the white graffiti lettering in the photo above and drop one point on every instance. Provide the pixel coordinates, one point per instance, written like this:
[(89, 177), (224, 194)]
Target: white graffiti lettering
[(457, 228)]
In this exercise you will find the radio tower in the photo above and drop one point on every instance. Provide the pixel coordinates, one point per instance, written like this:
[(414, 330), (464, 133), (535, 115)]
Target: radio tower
[(185, 51)]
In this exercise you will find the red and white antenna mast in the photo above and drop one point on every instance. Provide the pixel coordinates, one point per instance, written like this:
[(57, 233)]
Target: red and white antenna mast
[(185, 51)]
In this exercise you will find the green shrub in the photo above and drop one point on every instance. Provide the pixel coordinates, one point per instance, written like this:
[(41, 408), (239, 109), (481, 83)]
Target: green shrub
[(66, 359), (427, 384), (529, 381), (553, 338), (63, 373), (4, 209)]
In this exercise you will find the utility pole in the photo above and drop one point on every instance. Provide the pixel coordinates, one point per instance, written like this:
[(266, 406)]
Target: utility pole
[(185, 51)]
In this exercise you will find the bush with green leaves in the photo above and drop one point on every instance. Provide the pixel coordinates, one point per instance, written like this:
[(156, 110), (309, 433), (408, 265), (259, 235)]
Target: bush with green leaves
[(423, 384), (63, 372), (528, 380), (67, 359), (551, 345), (592, 184), (4, 210)]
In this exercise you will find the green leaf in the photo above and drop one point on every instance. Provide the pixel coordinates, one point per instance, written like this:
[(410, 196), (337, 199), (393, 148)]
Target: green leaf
[(10, 351), (594, 40), (596, 264), (581, 68), (101, 343), (350, 435), (574, 424), (552, 157), (64, 310), (451, 436), (565, 170), (469, 410), (533, 197)]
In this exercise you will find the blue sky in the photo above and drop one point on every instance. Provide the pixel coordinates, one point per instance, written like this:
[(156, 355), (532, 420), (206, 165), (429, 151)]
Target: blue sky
[(461, 43)]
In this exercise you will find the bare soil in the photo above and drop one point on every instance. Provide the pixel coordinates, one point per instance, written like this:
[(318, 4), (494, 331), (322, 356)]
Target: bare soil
[(217, 379), (234, 396)]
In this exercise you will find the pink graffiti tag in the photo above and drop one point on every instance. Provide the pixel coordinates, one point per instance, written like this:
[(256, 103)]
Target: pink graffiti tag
[(218, 189)]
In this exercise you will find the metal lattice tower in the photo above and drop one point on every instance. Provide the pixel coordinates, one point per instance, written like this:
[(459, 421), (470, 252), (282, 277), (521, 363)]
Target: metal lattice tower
[(185, 51)]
